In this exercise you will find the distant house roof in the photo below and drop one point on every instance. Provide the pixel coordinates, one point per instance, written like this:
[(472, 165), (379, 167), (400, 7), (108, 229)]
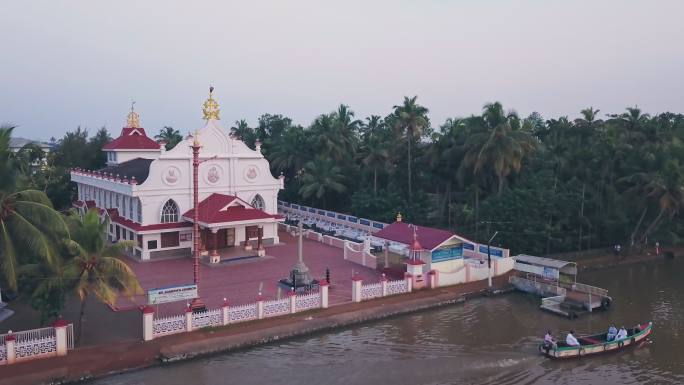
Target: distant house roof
[(17, 143), (402, 232), (544, 262), (220, 208), (138, 168), (132, 138)]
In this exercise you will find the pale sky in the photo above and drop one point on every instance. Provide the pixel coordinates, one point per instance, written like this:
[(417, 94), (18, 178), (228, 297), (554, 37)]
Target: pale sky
[(71, 63)]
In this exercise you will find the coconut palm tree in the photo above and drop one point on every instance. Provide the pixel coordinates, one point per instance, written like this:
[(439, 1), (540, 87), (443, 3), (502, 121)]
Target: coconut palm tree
[(411, 120), (95, 268), (374, 155), (29, 226), (171, 136), (500, 146), (320, 178)]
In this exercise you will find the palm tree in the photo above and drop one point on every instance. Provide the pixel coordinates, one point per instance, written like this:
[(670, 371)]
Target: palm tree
[(373, 154), (320, 178), (171, 136), (500, 147), (29, 226), (412, 120), (95, 269), (289, 154)]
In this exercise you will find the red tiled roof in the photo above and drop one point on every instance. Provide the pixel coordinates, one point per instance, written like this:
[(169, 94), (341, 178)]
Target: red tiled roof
[(219, 208), (132, 139), (135, 226), (402, 232)]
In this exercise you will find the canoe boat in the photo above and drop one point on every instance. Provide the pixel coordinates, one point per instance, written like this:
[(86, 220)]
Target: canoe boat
[(595, 344)]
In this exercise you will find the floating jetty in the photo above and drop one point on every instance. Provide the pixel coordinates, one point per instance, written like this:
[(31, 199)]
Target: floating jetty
[(556, 282)]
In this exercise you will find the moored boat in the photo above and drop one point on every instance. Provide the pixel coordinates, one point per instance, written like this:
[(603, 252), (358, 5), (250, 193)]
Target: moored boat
[(595, 344)]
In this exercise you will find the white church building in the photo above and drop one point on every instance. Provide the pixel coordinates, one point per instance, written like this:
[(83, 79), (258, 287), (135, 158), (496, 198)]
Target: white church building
[(147, 192)]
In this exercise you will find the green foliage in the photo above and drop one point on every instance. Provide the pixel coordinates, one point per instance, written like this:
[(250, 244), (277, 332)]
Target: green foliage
[(170, 135)]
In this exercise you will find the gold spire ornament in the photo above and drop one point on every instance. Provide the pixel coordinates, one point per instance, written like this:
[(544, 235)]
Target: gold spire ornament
[(133, 119), (211, 108)]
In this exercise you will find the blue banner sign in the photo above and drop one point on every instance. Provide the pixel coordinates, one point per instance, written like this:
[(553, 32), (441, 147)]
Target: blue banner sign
[(342, 217), (364, 222), (377, 225), (493, 251), (331, 215), (294, 206), (469, 246), (352, 219), (440, 255), (312, 210), (321, 212)]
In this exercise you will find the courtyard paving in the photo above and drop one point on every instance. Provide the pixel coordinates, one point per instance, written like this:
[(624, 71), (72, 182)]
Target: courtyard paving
[(240, 282)]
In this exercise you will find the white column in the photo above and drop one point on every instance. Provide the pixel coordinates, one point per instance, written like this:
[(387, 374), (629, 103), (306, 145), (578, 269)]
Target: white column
[(384, 285), (293, 301), (433, 279), (188, 319), (224, 310), (148, 323), (409, 282), (260, 307), (60, 326), (10, 341), (324, 294), (356, 288)]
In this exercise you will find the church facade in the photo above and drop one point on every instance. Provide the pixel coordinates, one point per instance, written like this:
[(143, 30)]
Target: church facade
[(147, 192)]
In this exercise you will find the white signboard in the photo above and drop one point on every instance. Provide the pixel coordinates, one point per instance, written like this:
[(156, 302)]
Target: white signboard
[(171, 294)]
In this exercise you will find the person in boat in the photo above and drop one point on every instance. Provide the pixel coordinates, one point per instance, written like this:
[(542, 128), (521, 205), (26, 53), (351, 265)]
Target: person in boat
[(570, 340), (622, 333), (612, 332), (549, 341)]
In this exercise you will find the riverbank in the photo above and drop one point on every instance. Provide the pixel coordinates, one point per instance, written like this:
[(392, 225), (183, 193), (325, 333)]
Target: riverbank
[(98, 361)]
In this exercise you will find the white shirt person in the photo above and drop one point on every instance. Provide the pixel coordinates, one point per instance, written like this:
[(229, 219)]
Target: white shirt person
[(622, 333), (570, 340)]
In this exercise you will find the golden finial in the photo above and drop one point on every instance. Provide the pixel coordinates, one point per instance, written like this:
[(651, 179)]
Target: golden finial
[(211, 108), (195, 139), (399, 217), (133, 119)]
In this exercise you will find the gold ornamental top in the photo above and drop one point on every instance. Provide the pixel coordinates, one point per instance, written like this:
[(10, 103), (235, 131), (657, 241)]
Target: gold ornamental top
[(211, 108), (133, 119)]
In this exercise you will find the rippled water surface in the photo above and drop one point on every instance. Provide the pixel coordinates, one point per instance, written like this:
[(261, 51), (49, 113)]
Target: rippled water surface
[(484, 341)]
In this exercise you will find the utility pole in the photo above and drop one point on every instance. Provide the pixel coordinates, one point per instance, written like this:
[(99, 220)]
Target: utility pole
[(489, 260)]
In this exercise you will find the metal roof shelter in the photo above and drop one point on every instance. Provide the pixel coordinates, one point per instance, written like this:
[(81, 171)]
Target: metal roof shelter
[(545, 267)]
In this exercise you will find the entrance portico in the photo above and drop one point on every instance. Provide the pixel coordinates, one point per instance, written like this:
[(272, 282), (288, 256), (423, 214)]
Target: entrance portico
[(226, 221)]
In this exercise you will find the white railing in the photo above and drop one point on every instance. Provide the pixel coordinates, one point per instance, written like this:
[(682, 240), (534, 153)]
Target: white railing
[(27, 335), (372, 290), (35, 348), (3, 354), (308, 301), (276, 307), (209, 318), (550, 302), (70, 337), (588, 289), (169, 325), (357, 254), (243, 313), (397, 287)]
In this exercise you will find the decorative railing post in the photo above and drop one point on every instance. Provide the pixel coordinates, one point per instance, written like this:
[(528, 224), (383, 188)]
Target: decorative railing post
[(409, 282), (224, 310), (293, 301), (433, 279), (148, 323), (384, 285), (260, 306), (324, 294), (188, 319), (10, 354), (356, 288), (60, 326)]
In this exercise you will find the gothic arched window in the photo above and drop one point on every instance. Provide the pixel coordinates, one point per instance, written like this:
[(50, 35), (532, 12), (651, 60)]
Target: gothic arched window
[(169, 212), (258, 202)]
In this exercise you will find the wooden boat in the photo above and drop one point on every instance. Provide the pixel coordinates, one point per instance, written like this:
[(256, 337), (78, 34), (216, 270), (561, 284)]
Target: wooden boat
[(595, 344)]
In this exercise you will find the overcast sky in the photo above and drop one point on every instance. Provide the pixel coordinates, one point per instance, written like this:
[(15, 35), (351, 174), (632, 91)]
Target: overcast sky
[(71, 63)]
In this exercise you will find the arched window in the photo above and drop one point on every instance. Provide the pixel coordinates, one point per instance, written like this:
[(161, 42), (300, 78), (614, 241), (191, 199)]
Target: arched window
[(258, 202), (169, 212)]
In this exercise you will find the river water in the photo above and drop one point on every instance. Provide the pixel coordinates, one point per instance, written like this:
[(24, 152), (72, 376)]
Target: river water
[(483, 341)]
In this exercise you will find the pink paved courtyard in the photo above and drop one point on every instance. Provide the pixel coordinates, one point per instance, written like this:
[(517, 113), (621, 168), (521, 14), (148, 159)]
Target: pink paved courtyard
[(239, 282)]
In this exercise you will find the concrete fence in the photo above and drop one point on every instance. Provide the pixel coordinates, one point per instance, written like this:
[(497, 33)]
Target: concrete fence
[(293, 303), (36, 343), (384, 288)]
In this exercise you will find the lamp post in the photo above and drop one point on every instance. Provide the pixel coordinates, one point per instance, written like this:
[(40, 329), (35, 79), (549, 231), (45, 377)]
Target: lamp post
[(489, 260)]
